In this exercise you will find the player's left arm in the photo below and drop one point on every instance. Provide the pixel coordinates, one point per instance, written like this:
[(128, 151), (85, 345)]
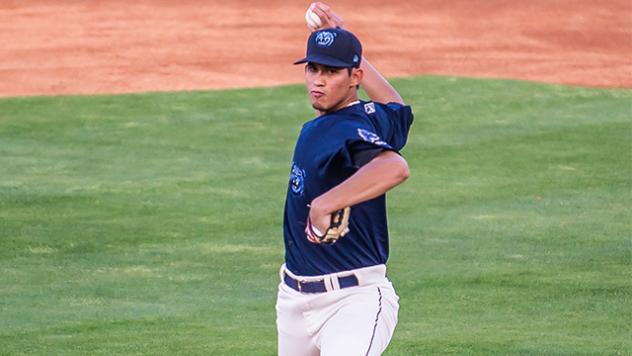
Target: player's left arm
[(382, 173)]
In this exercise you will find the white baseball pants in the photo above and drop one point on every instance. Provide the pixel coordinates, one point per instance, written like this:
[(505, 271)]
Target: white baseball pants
[(358, 320)]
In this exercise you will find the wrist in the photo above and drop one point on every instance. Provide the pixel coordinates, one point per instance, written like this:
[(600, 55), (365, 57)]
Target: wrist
[(318, 207)]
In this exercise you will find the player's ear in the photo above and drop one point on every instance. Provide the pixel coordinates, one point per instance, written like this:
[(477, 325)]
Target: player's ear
[(356, 76)]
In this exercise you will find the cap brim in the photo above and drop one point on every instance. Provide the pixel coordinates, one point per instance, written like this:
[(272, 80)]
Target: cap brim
[(324, 60)]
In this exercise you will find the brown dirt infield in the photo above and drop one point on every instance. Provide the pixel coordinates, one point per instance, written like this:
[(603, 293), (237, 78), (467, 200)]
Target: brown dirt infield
[(85, 47)]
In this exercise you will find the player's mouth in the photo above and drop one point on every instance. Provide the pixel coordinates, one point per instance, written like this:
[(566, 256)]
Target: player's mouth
[(316, 94)]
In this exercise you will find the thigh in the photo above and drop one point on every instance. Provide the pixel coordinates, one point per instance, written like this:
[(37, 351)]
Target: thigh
[(293, 337), (363, 325)]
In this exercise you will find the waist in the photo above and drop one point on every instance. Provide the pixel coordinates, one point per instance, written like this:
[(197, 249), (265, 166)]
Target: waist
[(334, 281)]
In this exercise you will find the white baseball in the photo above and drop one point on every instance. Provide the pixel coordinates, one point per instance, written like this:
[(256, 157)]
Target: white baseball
[(313, 21)]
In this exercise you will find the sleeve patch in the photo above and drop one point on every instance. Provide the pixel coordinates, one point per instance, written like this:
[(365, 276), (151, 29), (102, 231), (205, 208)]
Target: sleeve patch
[(369, 108), (371, 137)]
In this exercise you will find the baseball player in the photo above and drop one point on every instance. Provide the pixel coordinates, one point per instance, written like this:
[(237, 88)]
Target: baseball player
[(334, 297)]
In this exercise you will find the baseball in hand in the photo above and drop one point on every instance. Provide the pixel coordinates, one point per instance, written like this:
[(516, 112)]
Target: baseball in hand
[(313, 21)]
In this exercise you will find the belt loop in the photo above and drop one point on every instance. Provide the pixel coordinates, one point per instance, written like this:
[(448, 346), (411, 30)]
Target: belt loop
[(328, 281), (335, 284)]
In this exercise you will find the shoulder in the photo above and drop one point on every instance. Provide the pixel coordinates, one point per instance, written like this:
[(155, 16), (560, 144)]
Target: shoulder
[(351, 117), (394, 108)]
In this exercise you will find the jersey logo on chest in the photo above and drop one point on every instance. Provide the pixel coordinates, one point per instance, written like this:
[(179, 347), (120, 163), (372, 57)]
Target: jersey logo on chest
[(297, 179)]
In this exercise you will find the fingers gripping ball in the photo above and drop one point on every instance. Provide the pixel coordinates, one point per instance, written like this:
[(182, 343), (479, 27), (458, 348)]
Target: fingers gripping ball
[(313, 20), (338, 227)]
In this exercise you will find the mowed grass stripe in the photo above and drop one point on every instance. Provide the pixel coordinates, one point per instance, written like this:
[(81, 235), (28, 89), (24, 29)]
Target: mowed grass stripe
[(151, 223)]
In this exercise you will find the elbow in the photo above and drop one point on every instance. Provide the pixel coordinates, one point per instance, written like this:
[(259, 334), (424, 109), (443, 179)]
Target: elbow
[(402, 172), (395, 168)]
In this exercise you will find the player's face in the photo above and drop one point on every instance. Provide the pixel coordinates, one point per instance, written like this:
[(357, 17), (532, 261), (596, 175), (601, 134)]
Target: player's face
[(331, 89)]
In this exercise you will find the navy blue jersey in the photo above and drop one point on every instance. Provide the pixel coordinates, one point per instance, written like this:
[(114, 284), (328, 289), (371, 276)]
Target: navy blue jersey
[(329, 150)]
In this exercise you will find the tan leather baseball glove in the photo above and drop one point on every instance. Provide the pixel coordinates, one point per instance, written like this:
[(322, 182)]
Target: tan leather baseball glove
[(338, 227)]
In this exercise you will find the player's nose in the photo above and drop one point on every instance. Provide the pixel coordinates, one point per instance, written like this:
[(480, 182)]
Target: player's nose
[(319, 79)]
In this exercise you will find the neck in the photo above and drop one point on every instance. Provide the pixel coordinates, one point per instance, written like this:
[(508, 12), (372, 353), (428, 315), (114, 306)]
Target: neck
[(350, 100)]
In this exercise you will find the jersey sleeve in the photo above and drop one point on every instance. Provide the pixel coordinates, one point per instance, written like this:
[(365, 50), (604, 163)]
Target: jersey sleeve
[(358, 142), (361, 137), (389, 131), (400, 119)]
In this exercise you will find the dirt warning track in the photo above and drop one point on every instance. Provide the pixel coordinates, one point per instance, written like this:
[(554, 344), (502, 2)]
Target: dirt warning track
[(86, 47)]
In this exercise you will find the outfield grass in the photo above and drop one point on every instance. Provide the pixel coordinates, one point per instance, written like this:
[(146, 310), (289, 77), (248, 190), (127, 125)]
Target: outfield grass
[(151, 223)]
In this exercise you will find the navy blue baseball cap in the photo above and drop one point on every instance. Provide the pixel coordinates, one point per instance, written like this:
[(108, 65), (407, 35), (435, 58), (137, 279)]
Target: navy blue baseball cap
[(333, 47)]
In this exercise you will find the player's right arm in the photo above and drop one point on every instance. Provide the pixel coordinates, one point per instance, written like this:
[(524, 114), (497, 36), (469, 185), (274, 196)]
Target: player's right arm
[(377, 87), (374, 84)]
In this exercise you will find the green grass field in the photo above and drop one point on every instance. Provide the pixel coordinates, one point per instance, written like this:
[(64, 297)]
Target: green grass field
[(150, 224)]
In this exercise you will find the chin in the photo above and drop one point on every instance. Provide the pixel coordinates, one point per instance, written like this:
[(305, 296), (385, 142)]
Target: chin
[(319, 107)]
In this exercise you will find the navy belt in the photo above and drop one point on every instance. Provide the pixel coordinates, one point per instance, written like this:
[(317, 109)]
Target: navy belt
[(318, 286)]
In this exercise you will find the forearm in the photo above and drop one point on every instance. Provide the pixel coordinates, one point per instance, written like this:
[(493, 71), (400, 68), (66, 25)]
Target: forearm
[(375, 178), (376, 86)]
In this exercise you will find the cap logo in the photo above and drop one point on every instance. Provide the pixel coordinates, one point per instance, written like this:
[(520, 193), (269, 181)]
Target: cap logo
[(325, 38)]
